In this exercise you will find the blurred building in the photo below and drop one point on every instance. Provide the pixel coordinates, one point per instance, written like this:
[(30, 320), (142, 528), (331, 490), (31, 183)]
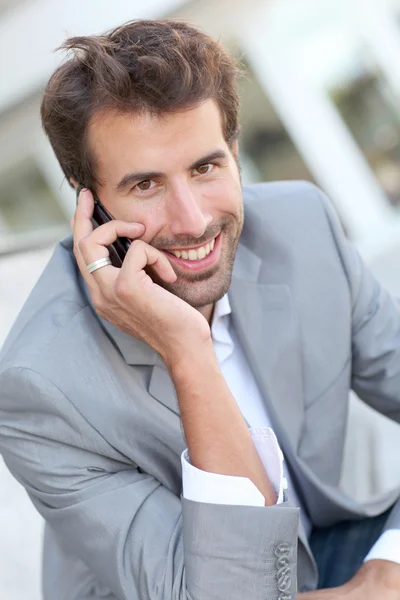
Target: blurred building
[(321, 101)]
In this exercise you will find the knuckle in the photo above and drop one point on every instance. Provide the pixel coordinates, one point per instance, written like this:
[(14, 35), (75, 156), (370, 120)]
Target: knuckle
[(106, 226), (83, 243), (107, 295), (122, 288), (98, 303), (115, 223), (138, 244)]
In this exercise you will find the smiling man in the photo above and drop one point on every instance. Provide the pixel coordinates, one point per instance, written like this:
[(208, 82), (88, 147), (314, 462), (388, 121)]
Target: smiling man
[(141, 404)]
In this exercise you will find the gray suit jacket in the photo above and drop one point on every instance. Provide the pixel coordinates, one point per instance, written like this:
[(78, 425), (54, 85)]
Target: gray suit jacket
[(89, 419)]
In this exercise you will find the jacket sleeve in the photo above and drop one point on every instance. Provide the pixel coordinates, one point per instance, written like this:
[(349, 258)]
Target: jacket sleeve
[(375, 329), (375, 335), (139, 539)]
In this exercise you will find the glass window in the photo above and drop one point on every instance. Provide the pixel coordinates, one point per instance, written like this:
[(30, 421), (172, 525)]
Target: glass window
[(264, 140), (330, 52), (267, 153), (368, 107)]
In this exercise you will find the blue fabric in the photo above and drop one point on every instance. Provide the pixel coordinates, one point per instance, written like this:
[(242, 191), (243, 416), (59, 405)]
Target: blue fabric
[(339, 550)]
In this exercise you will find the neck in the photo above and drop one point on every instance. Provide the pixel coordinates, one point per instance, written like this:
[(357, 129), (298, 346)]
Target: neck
[(207, 312)]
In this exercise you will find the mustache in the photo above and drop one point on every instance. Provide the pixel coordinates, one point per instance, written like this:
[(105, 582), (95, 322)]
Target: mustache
[(185, 241)]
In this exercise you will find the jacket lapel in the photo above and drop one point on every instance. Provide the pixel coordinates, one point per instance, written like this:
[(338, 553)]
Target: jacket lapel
[(136, 352), (264, 320), (133, 350), (265, 323), (162, 388)]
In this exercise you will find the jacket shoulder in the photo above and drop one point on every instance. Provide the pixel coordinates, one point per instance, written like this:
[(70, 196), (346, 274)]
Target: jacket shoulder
[(288, 211), (51, 307), (282, 194)]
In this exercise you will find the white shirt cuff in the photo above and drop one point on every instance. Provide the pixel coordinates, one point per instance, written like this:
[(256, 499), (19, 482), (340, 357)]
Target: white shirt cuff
[(387, 547), (212, 488)]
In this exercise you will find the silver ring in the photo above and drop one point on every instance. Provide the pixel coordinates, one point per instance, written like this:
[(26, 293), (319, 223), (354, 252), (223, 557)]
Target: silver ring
[(99, 264)]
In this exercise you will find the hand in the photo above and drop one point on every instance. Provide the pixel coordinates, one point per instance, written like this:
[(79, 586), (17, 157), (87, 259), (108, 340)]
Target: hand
[(127, 296), (376, 580)]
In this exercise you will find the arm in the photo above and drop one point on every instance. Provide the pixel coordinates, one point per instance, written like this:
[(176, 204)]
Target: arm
[(203, 486), (207, 406), (375, 328), (376, 380), (181, 335), (376, 579), (137, 537), (375, 334)]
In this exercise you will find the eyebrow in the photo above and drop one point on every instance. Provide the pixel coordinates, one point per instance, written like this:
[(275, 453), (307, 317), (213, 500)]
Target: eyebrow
[(131, 178)]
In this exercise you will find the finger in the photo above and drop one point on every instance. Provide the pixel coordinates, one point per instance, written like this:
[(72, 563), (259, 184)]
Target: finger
[(83, 215), (141, 255), (90, 245), (94, 246), (82, 227), (82, 223), (106, 234)]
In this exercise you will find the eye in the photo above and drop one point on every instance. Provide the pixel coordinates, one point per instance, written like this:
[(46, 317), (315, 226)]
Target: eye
[(204, 169), (145, 185)]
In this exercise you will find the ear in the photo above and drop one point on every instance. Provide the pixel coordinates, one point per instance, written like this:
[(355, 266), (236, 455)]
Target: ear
[(73, 182)]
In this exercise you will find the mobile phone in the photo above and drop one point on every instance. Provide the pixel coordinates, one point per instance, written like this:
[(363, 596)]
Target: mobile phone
[(100, 216)]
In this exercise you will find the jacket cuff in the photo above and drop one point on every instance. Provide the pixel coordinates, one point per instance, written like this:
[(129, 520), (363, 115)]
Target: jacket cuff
[(234, 551)]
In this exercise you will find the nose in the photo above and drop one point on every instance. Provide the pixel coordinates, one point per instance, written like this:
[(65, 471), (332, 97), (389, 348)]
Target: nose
[(185, 213)]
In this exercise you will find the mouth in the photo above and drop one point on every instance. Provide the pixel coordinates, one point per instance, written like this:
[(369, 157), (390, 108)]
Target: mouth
[(196, 258)]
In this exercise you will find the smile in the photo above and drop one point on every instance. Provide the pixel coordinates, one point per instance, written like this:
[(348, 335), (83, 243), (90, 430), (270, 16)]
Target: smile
[(196, 259), (194, 253)]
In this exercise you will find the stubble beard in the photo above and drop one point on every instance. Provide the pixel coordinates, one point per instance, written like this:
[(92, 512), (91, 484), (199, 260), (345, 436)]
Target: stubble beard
[(205, 288)]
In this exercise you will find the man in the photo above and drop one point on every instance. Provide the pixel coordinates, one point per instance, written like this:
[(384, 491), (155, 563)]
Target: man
[(120, 386)]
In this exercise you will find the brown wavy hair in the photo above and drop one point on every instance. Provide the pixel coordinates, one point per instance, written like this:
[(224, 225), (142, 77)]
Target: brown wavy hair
[(156, 66)]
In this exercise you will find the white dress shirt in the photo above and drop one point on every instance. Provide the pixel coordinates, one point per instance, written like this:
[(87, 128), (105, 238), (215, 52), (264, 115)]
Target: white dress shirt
[(202, 486)]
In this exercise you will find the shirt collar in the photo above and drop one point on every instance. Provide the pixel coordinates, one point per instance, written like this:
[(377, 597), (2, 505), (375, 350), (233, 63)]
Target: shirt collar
[(223, 343), (222, 308)]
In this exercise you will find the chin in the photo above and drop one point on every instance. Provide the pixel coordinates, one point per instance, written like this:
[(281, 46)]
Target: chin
[(201, 293), (200, 289)]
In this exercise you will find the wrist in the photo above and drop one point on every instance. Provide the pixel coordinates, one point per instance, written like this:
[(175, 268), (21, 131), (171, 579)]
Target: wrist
[(190, 360), (382, 576)]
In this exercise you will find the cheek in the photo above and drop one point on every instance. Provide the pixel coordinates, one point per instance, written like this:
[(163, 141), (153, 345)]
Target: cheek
[(151, 215), (224, 197)]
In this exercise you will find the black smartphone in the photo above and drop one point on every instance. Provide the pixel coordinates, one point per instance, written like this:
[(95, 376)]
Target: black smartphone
[(121, 245)]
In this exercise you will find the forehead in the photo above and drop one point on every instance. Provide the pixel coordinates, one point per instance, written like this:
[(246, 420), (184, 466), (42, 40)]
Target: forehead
[(120, 141)]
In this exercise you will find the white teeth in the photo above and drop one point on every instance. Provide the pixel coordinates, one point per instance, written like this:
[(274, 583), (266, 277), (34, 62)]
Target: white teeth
[(197, 254)]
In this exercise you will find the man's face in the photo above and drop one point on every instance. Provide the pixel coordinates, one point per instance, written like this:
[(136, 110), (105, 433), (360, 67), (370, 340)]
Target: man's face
[(177, 176)]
